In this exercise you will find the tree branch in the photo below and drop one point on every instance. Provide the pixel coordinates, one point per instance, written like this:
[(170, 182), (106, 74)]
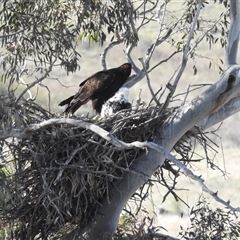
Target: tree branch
[(208, 102), (105, 51), (159, 39), (190, 174), (111, 207), (140, 73), (35, 82), (227, 110), (173, 129), (26, 85), (12, 34), (149, 84), (185, 56), (233, 36)]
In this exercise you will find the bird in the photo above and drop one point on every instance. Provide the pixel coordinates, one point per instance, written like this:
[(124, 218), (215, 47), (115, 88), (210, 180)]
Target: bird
[(98, 88), (116, 103)]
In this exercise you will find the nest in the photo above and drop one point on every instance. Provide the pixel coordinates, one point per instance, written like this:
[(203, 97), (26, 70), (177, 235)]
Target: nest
[(56, 177)]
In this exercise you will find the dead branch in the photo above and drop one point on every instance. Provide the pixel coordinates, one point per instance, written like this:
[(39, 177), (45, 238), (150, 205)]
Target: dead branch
[(119, 144), (47, 71), (172, 87)]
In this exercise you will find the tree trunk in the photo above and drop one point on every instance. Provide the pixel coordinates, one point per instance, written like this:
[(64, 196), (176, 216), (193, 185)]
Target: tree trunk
[(211, 107)]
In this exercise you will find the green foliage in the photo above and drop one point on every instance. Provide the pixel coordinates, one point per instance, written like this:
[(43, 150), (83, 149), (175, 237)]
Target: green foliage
[(142, 228), (210, 28), (207, 223), (41, 30), (224, 2), (47, 32)]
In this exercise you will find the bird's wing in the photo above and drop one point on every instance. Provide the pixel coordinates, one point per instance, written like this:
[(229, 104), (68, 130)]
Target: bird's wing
[(95, 84)]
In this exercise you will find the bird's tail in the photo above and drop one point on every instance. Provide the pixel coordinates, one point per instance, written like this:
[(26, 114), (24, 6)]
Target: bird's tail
[(73, 103), (72, 107), (66, 101)]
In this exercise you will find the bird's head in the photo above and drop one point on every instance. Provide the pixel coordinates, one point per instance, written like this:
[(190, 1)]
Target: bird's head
[(126, 68)]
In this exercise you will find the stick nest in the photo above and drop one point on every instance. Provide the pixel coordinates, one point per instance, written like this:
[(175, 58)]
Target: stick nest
[(57, 176)]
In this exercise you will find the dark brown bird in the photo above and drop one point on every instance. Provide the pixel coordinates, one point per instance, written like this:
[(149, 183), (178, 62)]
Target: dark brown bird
[(99, 88)]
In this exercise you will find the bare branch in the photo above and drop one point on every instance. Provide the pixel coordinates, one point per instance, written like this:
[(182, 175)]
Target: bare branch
[(227, 110), (165, 60), (149, 84), (134, 79), (26, 85), (209, 101), (105, 51), (159, 39), (35, 82), (190, 174), (12, 34), (150, 9), (17, 133), (233, 36), (185, 56), (140, 74), (129, 58)]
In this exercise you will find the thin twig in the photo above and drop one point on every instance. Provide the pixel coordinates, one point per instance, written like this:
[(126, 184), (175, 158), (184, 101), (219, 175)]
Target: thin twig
[(149, 84), (35, 82), (120, 145), (12, 34)]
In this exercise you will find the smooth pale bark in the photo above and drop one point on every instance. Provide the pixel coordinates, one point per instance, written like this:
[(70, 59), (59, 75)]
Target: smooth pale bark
[(233, 36), (209, 101), (207, 109), (202, 110), (174, 128), (142, 169), (226, 111)]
